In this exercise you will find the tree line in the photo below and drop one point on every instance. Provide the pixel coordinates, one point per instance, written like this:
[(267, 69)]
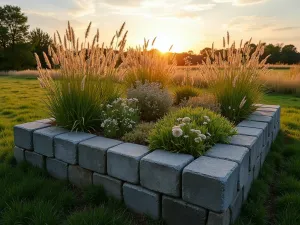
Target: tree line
[(17, 44)]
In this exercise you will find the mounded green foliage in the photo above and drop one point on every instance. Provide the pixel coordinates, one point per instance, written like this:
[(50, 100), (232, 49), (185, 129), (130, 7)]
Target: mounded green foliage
[(140, 134), (190, 131), (183, 93), (154, 101)]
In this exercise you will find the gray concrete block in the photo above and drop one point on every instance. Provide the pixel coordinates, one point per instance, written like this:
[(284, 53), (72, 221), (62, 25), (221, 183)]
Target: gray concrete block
[(141, 200), (123, 161), (210, 183), (112, 186), (178, 212), (257, 125), (265, 119), (161, 171), (43, 140), (255, 133), (65, 145), (35, 159), (238, 154), (48, 120), (236, 206), (19, 154), (264, 113), (57, 169), (92, 153), (219, 218), (256, 168), (23, 134), (269, 106), (247, 187), (79, 176), (249, 142)]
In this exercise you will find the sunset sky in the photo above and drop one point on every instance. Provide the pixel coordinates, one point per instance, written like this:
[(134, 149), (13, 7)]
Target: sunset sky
[(188, 24)]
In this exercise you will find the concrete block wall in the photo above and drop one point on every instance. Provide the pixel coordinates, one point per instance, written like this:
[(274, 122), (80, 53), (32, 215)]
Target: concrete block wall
[(177, 188)]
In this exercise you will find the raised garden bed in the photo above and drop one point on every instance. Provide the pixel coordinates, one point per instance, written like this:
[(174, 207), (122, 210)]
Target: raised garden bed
[(175, 187)]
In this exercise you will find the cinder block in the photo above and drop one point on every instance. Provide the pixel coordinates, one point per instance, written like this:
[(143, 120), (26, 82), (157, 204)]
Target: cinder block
[(35, 159), (253, 132), (210, 183), (161, 171), (57, 169), (178, 212), (247, 187), (238, 154), (265, 119), (48, 121), (256, 168), (65, 145), (123, 161), (79, 176), (249, 142), (257, 125), (43, 140), (141, 200), (219, 218), (19, 154), (23, 134), (112, 186), (236, 206), (92, 153)]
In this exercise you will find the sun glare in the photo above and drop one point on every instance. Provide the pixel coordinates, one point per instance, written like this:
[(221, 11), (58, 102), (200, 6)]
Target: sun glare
[(164, 42)]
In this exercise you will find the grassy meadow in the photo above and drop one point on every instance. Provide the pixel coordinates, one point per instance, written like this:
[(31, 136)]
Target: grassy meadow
[(29, 196)]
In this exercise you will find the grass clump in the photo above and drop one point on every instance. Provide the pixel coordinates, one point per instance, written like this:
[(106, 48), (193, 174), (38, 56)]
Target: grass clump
[(144, 65), (140, 134), (153, 100), (184, 93), (234, 78), (87, 75), (190, 131)]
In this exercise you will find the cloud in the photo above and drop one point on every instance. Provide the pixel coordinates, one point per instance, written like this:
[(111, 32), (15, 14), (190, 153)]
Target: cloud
[(123, 2), (285, 28), (250, 23), (240, 2)]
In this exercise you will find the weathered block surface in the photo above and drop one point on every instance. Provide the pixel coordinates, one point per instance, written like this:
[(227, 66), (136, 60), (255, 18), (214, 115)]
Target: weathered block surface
[(265, 119), (257, 125), (238, 154), (141, 200), (161, 171), (23, 134), (236, 206), (210, 183), (112, 186), (123, 161), (65, 145), (48, 120), (92, 153), (19, 154), (79, 176), (57, 169), (178, 212), (252, 132), (219, 218), (43, 140), (248, 142), (35, 159), (247, 187), (257, 168)]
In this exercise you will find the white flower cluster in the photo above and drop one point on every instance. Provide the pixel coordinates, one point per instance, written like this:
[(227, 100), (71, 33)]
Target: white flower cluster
[(178, 131)]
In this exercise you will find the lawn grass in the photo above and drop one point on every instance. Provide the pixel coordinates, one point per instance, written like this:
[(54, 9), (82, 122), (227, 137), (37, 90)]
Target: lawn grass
[(30, 197)]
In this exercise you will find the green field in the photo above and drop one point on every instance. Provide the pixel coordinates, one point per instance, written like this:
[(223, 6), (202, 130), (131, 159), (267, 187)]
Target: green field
[(30, 197)]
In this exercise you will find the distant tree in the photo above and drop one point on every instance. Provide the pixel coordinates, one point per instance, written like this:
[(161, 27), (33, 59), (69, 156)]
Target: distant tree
[(40, 40), (289, 54)]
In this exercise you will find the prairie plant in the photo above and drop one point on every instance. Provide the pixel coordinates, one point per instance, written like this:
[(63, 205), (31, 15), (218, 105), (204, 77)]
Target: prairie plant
[(233, 76), (87, 74), (144, 65)]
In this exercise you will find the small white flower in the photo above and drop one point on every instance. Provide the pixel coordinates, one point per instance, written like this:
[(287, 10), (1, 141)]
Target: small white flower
[(177, 132), (202, 136), (198, 139), (198, 132), (179, 119), (186, 119), (208, 134), (193, 130), (208, 120), (186, 136), (204, 123), (109, 106), (182, 124), (206, 117), (229, 107)]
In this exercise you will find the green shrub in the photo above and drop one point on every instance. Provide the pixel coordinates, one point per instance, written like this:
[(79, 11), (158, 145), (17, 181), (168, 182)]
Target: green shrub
[(154, 101), (205, 100), (119, 117), (190, 131), (184, 93), (139, 134)]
